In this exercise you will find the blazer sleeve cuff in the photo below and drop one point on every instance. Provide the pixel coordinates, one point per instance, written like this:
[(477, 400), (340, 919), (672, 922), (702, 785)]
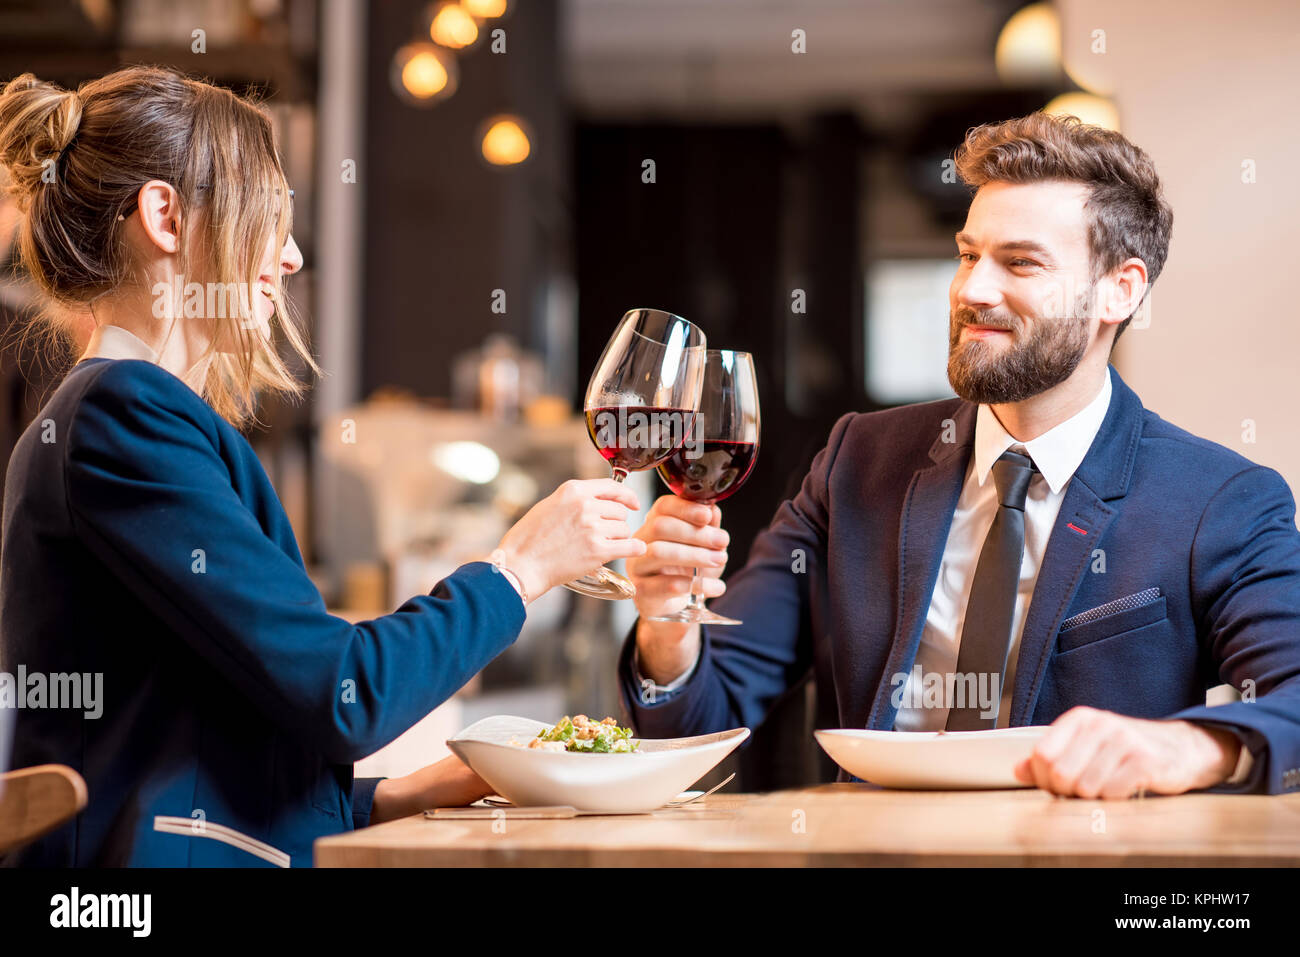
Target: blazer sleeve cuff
[(1249, 775), (694, 708), (645, 683), (363, 799)]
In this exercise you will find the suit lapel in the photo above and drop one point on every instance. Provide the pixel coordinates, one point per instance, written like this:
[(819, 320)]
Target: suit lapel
[(922, 534), (1064, 563), (1103, 476)]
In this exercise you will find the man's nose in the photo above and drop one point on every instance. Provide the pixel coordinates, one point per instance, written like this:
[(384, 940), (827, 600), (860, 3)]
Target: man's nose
[(290, 257), (979, 289)]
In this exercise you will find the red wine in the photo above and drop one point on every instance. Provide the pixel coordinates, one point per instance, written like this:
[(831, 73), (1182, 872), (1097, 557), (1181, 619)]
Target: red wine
[(638, 437), (709, 471)]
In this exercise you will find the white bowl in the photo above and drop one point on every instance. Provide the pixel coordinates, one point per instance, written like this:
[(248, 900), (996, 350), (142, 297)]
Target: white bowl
[(932, 759), (641, 780)]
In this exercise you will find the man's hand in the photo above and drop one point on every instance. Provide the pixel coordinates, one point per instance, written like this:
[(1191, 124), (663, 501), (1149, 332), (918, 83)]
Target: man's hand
[(1091, 753), (680, 536)]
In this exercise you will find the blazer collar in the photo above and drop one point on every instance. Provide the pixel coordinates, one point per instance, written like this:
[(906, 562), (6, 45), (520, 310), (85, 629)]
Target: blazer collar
[(1107, 467), (1056, 453)]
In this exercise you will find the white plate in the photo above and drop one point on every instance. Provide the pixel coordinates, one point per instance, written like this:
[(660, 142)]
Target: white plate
[(643, 780), (932, 759)]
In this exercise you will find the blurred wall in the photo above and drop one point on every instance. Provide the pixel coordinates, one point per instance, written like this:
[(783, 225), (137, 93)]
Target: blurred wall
[(1203, 89)]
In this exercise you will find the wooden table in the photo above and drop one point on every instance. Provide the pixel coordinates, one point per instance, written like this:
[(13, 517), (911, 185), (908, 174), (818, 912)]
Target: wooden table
[(856, 825)]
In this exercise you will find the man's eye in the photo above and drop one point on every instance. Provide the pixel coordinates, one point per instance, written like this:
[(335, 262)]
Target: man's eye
[(1023, 262), (961, 257)]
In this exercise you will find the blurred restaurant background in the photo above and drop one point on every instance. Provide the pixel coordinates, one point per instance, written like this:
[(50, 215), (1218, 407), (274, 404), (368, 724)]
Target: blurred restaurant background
[(484, 187)]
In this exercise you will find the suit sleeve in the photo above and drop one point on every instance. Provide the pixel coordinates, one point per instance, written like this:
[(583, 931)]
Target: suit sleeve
[(150, 495), (1245, 569), (743, 669)]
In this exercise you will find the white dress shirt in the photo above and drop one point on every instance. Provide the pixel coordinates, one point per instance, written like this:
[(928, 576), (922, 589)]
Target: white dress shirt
[(1056, 453), (114, 342)]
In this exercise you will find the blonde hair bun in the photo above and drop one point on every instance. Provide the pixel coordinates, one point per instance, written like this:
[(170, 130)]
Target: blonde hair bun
[(38, 122)]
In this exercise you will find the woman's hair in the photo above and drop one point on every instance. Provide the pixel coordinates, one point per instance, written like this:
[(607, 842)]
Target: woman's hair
[(1126, 212), (77, 159)]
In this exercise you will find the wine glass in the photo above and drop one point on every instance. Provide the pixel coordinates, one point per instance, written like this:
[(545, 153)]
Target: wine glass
[(640, 405), (718, 456)]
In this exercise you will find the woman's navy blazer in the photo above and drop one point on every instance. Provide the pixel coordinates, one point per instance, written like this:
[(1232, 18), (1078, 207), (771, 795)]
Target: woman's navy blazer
[(143, 542)]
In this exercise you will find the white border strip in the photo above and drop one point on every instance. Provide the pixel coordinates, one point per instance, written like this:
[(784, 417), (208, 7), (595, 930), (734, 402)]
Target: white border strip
[(185, 827)]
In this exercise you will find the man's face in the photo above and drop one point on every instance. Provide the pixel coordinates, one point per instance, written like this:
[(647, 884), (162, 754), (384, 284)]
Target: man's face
[(1019, 306)]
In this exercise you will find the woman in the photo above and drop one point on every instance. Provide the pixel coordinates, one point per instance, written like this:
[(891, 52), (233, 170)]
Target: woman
[(143, 541)]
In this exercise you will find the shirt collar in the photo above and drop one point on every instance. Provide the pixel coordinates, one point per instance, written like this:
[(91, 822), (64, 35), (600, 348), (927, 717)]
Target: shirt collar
[(1057, 452), (114, 342)]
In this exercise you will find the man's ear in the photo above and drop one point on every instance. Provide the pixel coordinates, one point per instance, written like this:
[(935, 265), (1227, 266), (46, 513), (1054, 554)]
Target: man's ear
[(160, 217), (1125, 288)]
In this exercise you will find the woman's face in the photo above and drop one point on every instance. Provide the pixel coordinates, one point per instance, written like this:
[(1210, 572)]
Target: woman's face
[(286, 262), (155, 230)]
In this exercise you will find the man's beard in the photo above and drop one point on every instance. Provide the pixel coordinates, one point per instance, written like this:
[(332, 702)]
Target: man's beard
[(983, 372)]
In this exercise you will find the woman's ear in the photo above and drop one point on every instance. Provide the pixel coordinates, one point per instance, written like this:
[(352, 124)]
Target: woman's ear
[(160, 215)]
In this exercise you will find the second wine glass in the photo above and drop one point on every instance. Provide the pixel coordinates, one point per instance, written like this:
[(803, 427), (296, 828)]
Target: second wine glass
[(718, 456)]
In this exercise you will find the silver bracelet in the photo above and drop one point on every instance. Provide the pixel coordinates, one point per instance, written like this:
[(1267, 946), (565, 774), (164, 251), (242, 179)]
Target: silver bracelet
[(497, 557)]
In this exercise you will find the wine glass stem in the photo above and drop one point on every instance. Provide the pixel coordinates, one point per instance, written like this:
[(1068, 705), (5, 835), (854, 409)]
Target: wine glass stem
[(696, 601)]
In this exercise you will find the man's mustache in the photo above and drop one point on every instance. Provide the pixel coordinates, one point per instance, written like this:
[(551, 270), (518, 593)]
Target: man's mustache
[(969, 317)]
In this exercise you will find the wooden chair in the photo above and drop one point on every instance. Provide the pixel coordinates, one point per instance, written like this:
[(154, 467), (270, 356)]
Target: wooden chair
[(34, 801)]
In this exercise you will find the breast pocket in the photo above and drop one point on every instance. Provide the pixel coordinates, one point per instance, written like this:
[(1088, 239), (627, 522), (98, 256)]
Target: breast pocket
[(1112, 619)]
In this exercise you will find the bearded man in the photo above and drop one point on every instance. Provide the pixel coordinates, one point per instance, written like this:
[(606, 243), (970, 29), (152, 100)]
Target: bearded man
[(1041, 550)]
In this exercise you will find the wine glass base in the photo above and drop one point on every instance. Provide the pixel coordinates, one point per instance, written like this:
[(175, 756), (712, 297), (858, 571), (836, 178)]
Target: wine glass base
[(696, 616), (603, 583)]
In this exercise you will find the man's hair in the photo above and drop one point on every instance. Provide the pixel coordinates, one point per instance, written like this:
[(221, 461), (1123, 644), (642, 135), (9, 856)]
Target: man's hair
[(1126, 212)]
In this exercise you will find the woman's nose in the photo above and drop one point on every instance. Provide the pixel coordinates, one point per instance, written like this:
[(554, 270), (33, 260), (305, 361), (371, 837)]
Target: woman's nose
[(290, 257)]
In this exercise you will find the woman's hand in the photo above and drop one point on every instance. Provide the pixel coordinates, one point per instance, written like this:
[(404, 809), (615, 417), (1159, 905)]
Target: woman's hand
[(449, 783), (579, 527)]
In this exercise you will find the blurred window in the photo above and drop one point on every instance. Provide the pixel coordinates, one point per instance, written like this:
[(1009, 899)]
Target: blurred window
[(907, 330)]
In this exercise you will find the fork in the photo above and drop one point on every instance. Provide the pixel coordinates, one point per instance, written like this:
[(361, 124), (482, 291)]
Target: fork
[(703, 794), (493, 800)]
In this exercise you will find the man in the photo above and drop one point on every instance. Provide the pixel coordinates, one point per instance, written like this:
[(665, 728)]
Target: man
[(1041, 550)]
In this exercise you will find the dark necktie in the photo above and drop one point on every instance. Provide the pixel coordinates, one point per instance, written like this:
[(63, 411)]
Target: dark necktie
[(986, 632)]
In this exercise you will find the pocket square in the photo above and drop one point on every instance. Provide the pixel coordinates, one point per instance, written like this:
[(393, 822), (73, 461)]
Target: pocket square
[(1136, 600)]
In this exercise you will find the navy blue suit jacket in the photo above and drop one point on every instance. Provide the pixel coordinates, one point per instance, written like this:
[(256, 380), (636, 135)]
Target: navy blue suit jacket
[(143, 540), (1213, 531)]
